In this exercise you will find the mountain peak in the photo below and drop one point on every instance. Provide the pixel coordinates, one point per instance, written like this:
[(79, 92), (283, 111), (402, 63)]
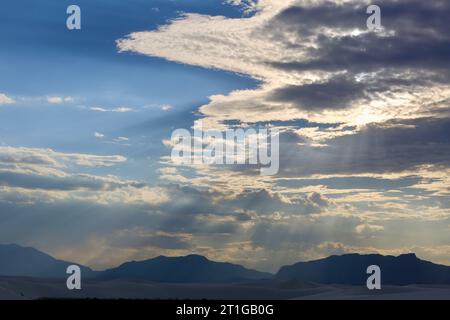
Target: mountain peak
[(189, 268), (197, 257), (16, 260), (351, 269)]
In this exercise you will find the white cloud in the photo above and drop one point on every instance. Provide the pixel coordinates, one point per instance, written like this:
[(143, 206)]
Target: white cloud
[(4, 99), (118, 109), (50, 158), (99, 135), (58, 99), (166, 107), (237, 45), (253, 46)]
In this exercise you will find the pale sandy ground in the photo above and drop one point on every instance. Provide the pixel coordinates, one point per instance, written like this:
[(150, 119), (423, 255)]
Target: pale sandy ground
[(28, 288), (411, 292)]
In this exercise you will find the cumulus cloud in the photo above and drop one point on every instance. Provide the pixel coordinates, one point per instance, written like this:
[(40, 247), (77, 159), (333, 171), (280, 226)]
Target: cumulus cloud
[(283, 45)]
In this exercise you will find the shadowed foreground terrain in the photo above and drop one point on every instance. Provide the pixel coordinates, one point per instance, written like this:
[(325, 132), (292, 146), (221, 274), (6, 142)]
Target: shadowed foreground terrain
[(31, 288)]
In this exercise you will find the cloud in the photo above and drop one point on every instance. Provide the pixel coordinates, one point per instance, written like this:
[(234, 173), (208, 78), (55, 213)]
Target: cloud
[(362, 228), (138, 220), (364, 121), (99, 135), (166, 107), (58, 99), (335, 93), (315, 59), (63, 182), (367, 93), (266, 202), (409, 37), (4, 99), (53, 159), (118, 109), (394, 146)]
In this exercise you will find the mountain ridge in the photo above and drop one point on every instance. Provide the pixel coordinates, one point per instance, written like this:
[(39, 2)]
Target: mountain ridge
[(17, 260), (348, 269), (190, 268)]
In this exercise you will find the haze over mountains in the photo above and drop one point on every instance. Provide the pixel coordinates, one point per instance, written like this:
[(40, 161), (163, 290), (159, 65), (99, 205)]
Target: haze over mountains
[(20, 261), (349, 269), (25, 261)]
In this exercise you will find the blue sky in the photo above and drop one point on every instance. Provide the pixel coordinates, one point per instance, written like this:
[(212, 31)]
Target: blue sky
[(45, 59), (363, 115)]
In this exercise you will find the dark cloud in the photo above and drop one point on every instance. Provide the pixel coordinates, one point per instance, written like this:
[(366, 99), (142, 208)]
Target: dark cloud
[(336, 93), (401, 15), (371, 52), (389, 147), (305, 21), (421, 39)]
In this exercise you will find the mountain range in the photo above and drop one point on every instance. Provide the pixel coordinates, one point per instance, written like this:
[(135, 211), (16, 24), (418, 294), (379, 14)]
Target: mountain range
[(191, 268), (348, 269), (22, 261), (16, 260)]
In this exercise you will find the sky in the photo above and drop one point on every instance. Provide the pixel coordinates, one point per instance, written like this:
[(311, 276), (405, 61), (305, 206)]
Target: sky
[(86, 118)]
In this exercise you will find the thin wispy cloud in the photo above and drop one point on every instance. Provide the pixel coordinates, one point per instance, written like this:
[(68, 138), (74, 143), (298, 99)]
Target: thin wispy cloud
[(117, 109)]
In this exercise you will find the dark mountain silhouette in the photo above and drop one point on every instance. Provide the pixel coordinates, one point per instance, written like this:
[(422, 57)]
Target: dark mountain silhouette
[(191, 268), (24, 261), (351, 269), (16, 260)]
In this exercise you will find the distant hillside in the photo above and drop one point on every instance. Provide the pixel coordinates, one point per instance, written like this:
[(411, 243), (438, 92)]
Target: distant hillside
[(351, 269), (23, 261), (192, 268)]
